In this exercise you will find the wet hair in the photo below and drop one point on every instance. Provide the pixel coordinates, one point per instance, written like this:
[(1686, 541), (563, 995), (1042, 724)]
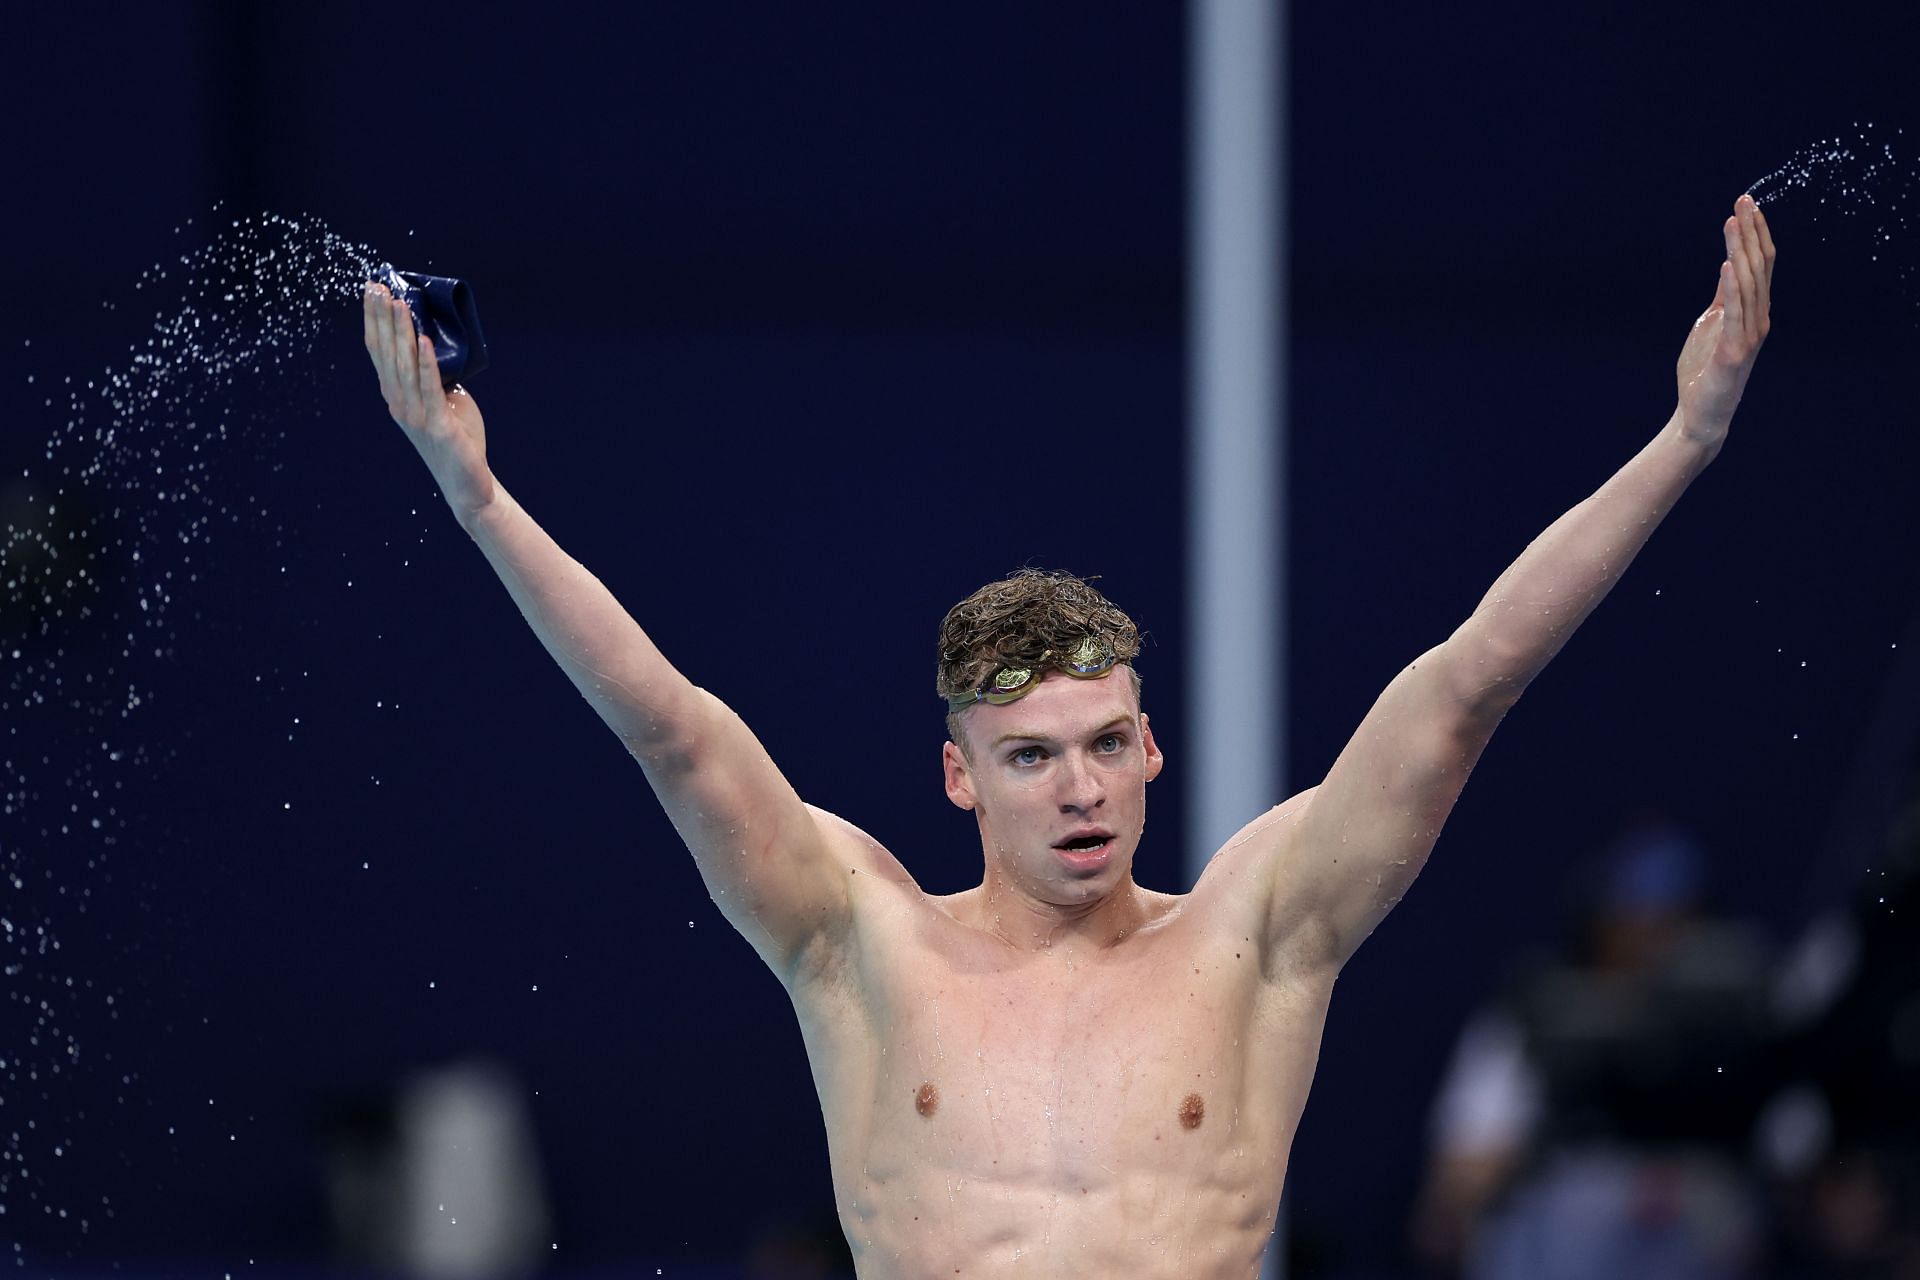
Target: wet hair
[(1013, 621)]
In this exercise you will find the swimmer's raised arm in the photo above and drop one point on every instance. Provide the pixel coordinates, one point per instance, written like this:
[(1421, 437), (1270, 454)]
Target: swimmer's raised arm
[(775, 867), (1367, 829)]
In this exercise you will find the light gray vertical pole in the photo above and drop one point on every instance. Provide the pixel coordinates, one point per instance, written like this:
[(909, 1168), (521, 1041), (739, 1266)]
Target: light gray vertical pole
[(1236, 647)]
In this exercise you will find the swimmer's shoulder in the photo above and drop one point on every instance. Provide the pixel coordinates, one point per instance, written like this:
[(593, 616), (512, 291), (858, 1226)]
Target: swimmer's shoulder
[(1238, 878), (860, 853)]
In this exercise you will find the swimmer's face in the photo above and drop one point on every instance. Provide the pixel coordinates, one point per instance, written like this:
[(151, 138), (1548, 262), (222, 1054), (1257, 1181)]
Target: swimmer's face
[(1064, 765)]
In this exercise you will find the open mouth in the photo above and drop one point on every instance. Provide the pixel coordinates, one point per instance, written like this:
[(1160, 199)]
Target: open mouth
[(1085, 844)]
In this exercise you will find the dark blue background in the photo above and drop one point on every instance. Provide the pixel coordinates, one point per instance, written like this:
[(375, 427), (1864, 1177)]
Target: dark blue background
[(805, 324)]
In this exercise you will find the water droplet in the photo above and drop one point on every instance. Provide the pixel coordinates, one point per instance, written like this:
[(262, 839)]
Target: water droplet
[(1847, 176)]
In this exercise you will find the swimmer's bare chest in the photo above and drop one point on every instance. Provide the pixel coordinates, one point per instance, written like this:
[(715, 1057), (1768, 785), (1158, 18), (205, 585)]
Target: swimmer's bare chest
[(1120, 1112)]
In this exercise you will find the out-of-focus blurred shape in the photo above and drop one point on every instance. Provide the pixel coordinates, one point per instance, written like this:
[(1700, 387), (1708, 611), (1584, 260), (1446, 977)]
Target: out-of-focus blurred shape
[(1839, 1140), (1594, 1118), (443, 1181)]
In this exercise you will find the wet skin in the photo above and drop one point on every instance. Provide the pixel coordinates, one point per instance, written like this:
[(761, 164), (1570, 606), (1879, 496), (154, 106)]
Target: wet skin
[(1059, 1072)]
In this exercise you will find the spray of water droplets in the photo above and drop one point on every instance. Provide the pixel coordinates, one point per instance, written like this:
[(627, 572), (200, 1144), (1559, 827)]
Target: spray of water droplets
[(1860, 183), (140, 476)]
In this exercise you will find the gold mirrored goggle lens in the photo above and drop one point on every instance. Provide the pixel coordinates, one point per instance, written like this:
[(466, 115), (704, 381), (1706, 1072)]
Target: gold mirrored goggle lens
[(1089, 660), (1006, 685)]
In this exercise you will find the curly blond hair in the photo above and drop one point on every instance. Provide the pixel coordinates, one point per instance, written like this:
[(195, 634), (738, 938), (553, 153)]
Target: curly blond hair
[(1013, 621)]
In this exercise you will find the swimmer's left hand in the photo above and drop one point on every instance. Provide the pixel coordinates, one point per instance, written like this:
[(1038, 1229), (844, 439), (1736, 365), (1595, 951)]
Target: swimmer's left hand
[(1720, 352), (443, 423)]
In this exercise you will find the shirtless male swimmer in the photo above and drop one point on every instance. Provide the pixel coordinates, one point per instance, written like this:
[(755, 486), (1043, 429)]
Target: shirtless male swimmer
[(1059, 1073)]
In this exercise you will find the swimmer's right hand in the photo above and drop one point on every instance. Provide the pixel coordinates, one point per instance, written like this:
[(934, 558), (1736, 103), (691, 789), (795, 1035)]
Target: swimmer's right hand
[(444, 425)]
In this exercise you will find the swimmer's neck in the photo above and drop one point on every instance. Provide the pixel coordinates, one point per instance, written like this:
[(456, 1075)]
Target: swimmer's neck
[(1028, 924)]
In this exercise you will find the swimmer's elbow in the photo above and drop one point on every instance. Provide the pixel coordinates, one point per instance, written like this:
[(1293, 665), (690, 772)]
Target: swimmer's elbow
[(672, 741)]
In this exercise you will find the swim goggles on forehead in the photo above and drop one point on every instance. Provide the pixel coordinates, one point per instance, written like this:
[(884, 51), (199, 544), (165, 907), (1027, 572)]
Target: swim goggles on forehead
[(1088, 660)]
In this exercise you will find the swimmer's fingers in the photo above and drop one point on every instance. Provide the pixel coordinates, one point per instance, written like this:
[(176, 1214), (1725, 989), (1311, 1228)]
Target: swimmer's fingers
[(386, 355), (1750, 270), (406, 359), (1733, 291), (427, 374), (396, 353), (420, 397), (1722, 288), (373, 323), (1761, 242), (392, 357), (1744, 250), (1766, 243), (368, 301)]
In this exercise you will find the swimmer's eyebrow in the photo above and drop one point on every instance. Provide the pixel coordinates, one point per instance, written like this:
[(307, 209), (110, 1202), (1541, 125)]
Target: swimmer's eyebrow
[(1025, 736)]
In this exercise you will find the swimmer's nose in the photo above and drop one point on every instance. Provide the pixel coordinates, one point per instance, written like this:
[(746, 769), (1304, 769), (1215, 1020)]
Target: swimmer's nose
[(1082, 789)]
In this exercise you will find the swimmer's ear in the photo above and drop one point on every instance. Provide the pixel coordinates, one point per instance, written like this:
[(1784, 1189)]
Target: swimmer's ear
[(1155, 761), (959, 777)]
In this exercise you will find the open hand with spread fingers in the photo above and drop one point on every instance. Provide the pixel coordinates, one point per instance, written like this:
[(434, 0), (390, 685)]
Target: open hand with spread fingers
[(1720, 352), (443, 424)]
